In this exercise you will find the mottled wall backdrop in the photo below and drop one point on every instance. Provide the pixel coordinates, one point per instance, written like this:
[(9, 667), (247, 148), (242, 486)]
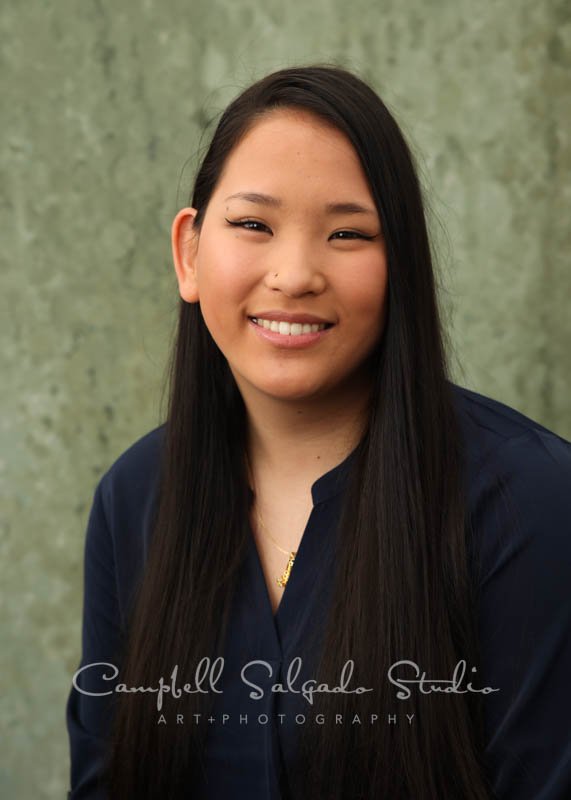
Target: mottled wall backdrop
[(103, 103)]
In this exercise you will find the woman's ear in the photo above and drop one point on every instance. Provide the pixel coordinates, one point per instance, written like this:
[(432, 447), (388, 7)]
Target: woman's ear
[(184, 240)]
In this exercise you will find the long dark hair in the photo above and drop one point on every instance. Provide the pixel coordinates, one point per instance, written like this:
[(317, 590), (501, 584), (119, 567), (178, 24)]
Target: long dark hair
[(403, 587)]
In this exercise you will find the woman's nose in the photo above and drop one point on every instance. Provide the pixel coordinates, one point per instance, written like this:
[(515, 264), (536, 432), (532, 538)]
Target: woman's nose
[(295, 271)]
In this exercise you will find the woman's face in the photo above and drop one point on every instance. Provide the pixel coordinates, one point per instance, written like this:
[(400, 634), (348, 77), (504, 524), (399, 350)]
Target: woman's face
[(289, 255)]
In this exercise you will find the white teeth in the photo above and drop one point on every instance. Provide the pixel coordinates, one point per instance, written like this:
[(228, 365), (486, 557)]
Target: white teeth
[(287, 329)]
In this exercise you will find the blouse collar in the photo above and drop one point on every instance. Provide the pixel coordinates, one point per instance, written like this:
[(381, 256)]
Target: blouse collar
[(334, 481), (330, 483)]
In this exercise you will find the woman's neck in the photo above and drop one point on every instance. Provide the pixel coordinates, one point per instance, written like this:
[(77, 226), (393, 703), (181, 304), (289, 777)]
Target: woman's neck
[(296, 443)]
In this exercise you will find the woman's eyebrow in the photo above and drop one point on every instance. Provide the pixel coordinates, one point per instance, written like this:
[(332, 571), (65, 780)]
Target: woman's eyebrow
[(330, 208)]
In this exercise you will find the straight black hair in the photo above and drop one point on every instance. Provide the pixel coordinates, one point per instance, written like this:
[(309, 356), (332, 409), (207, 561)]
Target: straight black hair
[(403, 588)]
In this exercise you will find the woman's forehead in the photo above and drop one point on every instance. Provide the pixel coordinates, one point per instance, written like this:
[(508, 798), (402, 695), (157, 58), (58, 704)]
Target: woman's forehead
[(293, 148), (288, 127)]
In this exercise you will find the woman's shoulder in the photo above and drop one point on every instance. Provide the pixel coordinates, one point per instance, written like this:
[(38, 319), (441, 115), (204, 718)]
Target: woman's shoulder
[(119, 530), (520, 526), (137, 465), (128, 491), (499, 438), (519, 489)]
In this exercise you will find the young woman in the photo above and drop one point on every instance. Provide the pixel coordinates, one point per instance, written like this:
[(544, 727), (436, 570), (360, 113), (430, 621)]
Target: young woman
[(332, 572)]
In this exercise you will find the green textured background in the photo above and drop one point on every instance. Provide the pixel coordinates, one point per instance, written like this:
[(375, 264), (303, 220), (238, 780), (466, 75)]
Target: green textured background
[(102, 105)]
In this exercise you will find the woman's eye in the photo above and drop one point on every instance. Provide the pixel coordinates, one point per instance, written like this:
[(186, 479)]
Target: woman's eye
[(352, 234), (254, 225), (248, 224)]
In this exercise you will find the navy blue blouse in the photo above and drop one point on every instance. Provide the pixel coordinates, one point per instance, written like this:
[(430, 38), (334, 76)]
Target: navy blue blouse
[(524, 615)]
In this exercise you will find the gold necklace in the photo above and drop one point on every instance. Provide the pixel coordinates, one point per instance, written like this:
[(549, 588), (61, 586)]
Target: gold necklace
[(291, 554), (283, 579)]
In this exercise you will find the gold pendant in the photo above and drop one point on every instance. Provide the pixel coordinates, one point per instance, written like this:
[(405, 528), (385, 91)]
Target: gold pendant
[(284, 578)]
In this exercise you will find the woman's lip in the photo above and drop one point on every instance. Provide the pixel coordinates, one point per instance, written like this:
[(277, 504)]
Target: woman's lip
[(299, 322), (284, 316), (288, 341)]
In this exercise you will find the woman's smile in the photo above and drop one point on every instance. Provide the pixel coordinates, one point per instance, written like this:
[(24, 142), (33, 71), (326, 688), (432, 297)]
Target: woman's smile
[(284, 334)]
